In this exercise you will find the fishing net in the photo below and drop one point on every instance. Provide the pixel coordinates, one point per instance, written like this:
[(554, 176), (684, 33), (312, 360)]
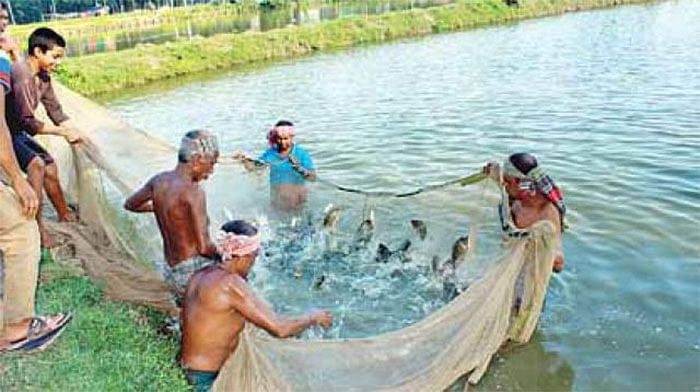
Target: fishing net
[(429, 339)]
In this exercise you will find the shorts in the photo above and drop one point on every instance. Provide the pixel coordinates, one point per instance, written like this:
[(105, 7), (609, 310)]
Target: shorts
[(179, 275), (201, 381), (26, 149)]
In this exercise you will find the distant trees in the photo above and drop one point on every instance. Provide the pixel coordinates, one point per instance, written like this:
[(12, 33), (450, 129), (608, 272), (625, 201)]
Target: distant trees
[(27, 11)]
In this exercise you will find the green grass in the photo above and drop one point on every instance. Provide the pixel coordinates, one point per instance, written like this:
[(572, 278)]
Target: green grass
[(109, 72), (107, 347)]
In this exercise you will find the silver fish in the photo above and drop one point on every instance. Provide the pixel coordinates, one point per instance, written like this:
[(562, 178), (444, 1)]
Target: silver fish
[(384, 253), (332, 216), (366, 229), (435, 264), (420, 228), (319, 282), (460, 249)]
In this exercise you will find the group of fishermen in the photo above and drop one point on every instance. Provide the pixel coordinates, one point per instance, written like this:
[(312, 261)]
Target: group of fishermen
[(208, 277)]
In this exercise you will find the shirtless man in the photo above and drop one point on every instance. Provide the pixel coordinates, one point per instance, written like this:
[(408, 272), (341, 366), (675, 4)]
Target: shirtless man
[(219, 301), (290, 166), (179, 204), (533, 197)]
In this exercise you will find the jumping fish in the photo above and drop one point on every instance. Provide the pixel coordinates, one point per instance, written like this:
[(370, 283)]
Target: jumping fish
[(460, 249), (384, 253), (366, 229), (319, 282), (227, 214), (298, 273), (420, 228), (403, 251), (435, 264), (331, 217)]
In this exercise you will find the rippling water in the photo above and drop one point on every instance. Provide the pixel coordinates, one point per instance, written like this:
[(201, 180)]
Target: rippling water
[(609, 101)]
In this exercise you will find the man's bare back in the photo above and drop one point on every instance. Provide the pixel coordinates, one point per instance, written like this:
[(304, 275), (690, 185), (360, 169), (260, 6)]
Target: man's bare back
[(180, 208), (206, 346), (219, 301), (179, 203)]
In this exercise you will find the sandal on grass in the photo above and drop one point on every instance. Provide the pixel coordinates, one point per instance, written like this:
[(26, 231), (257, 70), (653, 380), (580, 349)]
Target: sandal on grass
[(50, 330), (39, 332), (39, 344)]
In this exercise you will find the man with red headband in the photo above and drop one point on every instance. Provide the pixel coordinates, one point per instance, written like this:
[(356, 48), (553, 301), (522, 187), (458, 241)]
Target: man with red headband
[(531, 196), (290, 166), (219, 301)]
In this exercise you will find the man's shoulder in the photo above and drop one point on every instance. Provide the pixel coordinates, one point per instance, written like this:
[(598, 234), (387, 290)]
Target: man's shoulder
[(20, 70), (220, 279), (300, 150), (269, 152)]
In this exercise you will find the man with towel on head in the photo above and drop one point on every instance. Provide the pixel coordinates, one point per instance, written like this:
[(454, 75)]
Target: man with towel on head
[(532, 196), (290, 166), (219, 301), (180, 207)]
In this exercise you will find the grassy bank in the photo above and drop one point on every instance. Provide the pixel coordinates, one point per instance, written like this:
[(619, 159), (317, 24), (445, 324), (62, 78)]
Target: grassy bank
[(108, 72), (107, 347)]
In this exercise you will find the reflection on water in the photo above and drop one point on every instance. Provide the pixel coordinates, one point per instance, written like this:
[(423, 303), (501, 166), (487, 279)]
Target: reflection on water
[(608, 101), (265, 19), (531, 367)]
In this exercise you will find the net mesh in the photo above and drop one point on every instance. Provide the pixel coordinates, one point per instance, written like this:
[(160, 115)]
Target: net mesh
[(123, 251)]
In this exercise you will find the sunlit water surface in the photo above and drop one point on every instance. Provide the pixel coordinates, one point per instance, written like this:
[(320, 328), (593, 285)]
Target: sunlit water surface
[(609, 101)]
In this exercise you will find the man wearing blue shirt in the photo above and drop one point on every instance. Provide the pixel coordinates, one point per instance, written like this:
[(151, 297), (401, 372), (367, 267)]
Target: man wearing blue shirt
[(290, 167)]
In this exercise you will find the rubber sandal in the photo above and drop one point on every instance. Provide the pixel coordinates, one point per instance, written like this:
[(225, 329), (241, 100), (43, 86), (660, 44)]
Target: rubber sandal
[(42, 340), (14, 345), (40, 344), (38, 328)]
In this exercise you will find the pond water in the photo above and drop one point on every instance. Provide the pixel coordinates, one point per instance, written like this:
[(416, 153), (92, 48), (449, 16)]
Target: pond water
[(607, 100)]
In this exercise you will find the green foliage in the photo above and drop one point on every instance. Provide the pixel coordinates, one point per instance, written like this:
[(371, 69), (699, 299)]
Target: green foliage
[(108, 72), (107, 347)]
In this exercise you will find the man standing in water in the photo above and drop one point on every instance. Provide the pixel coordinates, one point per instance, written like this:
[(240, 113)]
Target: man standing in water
[(219, 301), (179, 204), (290, 166), (533, 196)]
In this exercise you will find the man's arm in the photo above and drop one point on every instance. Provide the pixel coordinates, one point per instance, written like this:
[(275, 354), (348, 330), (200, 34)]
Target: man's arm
[(553, 216), (200, 223), (8, 160), (141, 200), (23, 108), (255, 310), (305, 168), (52, 106), (250, 164)]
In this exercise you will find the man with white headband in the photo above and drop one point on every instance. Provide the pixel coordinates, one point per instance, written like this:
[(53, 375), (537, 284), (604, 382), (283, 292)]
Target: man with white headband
[(219, 301), (290, 166), (179, 205), (532, 196)]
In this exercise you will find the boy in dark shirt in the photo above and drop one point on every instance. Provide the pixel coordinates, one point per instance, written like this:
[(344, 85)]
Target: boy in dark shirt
[(31, 84)]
